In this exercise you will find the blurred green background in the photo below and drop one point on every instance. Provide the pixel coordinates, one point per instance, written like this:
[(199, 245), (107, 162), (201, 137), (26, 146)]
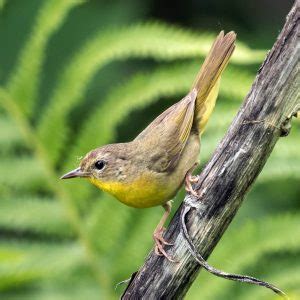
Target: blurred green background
[(75, 75)]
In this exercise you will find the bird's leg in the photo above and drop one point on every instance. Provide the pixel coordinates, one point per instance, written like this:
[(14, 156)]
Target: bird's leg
[(189, 179), (159, 230)]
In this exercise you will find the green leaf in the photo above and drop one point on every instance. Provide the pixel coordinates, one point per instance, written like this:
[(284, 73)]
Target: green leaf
[(25, 80), (2, 4), (22, 174), (106, 241), (45, 217), (10, 137), (285, 276), (74, 290), (23, 263)]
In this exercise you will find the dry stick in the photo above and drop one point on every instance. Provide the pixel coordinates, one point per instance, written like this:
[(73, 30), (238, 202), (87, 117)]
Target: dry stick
[(239, 158)]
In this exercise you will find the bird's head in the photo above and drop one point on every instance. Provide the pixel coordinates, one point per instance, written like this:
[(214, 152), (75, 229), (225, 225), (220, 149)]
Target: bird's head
[(105, 164)]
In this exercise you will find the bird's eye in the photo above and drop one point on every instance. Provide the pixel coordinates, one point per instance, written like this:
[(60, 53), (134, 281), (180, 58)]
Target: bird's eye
[(100, 164)]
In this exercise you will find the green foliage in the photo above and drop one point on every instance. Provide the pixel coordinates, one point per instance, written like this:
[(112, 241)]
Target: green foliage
[(10, 137), (2, 3), (23, 263), (39, 216), (30, 174), (24, 83), (67, 240)]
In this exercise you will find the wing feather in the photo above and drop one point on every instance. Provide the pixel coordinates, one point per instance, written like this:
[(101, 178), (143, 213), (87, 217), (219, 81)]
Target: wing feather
[(166, 137)]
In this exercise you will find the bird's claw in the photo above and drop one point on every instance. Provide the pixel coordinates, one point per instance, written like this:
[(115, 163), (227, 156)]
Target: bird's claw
[(160, 242), (189, 179)]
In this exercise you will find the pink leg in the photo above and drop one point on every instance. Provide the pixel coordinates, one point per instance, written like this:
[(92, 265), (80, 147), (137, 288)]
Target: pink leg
[(189, 179), (158, 232)]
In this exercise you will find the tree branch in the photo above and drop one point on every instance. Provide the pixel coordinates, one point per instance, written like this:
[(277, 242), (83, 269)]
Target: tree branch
[(262, 119)]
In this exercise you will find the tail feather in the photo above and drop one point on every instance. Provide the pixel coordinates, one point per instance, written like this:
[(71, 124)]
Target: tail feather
[(208, 78)]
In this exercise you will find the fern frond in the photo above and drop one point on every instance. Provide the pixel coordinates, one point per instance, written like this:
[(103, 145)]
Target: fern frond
[(23, 263), (244, 55), (41, 156), (24, 82), (107, 240), (251, 241), (2, 4), (278, 169), (74, 289), (41, 216), (10, 136), (141, 41), (138, 242), (22, 174), (288, 146), (140, 91), (288, 278)]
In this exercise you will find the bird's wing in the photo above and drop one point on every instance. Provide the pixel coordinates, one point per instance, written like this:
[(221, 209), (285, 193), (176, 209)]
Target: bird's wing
[(166, 136)]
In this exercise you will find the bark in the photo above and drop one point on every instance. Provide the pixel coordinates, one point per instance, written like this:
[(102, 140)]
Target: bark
[(262, 119)]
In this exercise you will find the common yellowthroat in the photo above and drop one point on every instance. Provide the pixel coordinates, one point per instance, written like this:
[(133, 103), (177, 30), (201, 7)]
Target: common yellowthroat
[(149, 170)]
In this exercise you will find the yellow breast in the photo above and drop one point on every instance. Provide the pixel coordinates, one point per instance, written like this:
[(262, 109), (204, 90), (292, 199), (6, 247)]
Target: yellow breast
[(143, 192)]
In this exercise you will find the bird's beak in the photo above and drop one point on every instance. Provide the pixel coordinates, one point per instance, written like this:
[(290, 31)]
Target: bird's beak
[(75, 173)]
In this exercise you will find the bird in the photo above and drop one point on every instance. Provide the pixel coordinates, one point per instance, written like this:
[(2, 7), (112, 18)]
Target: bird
[(149, 170)]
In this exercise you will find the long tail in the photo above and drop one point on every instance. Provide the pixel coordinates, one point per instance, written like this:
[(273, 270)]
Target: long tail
[(208, 79)]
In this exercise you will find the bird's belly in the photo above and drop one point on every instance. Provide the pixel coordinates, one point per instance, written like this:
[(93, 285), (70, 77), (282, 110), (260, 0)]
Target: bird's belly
[(143, 192)]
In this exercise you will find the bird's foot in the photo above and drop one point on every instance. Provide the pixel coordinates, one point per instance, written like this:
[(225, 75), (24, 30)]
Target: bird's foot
[(160, 242), (189, 180)]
